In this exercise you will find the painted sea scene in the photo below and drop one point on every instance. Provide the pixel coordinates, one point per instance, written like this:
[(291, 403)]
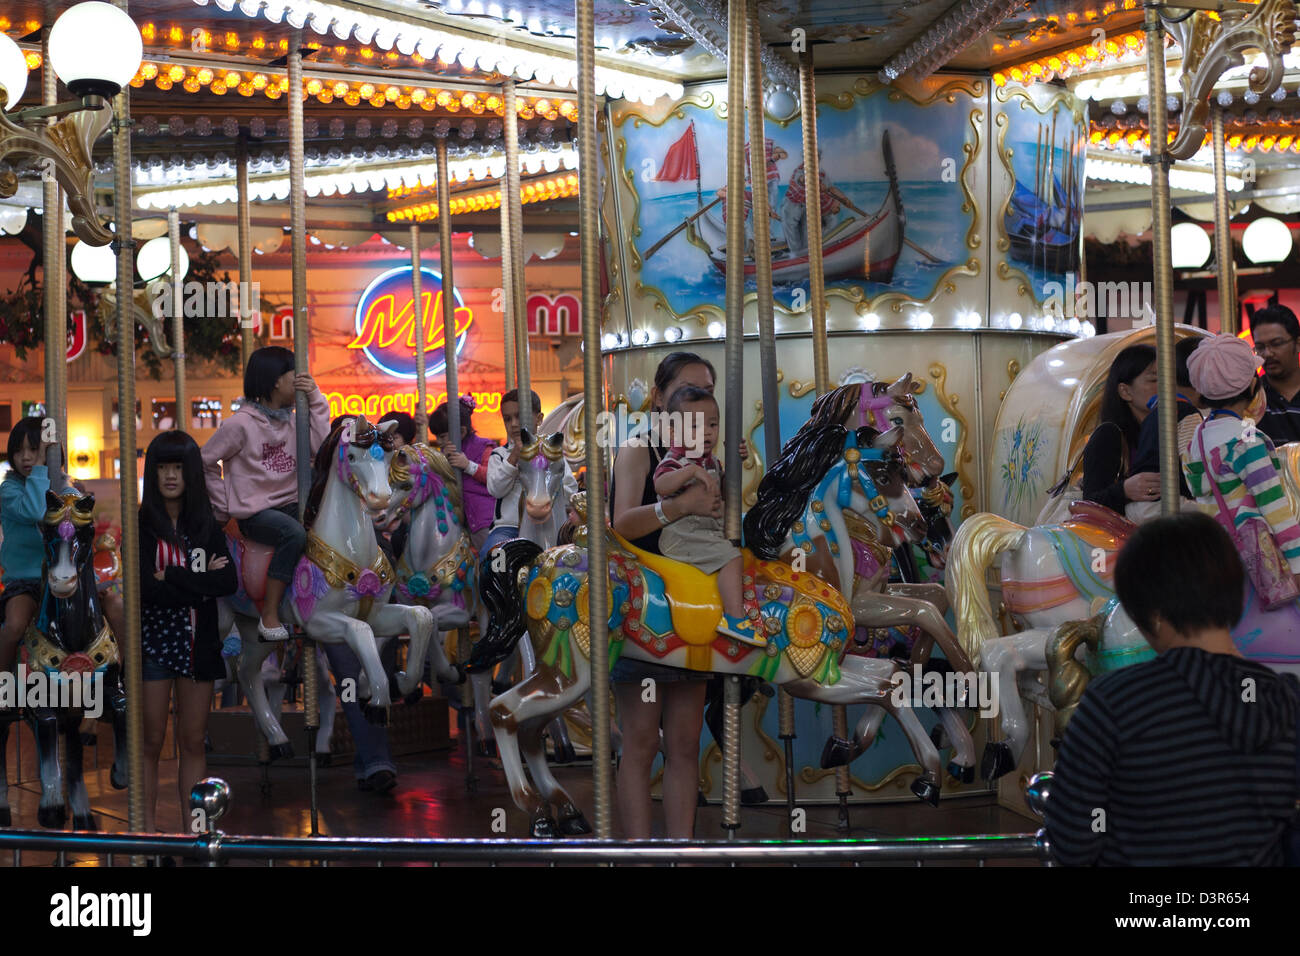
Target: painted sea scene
[(892, 204)]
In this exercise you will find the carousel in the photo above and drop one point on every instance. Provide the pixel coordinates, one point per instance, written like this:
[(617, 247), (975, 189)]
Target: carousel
[(967, 211)]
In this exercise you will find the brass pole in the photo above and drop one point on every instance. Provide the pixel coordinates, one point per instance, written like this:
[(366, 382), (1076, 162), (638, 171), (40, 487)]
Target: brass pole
[(302, 411), (593, 402), (1158, 158), (53, 253), (452, 378), (734, 364), (126, 439), (507, 257), (813, 218), (1223, 252), (245, 254), (178, 318), (417, 299), (518, 257)]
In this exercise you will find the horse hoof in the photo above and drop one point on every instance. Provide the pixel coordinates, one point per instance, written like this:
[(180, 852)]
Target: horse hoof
[(486, 747), (544, 828), (574, 823), (84, 823), (997, 760), (280, 751), (52, 818), (6, 818), (376, 715), (118, 778), (753, 796), (413, 698), (938, 737), (926, 790), (961, 774), (838, 752), (564, 753)]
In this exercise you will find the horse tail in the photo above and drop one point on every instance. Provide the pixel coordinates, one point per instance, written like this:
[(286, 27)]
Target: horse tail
[(500, 593), (980, 539)]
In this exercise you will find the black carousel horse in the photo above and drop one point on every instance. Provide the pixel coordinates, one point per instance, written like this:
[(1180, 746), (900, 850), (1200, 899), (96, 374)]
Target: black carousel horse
[(70, 638)]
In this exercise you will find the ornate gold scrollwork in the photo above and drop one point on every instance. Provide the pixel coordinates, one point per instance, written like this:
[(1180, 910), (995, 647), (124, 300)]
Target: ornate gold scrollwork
[(755, 461), (141, 308), (963, 457), (63, 150), (1066, 677), (1213, 46)]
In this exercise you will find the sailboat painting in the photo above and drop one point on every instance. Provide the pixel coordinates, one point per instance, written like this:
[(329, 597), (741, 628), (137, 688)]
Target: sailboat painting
[(1043, 216), (893, 214)]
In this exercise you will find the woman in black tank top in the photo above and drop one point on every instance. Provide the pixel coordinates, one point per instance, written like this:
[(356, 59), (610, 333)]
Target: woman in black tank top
[(677, 703)]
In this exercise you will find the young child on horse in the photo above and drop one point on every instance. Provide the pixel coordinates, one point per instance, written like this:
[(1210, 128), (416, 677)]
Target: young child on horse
[(503, 480), (257, 449), (698, 539), (22, 509), (471, 456)]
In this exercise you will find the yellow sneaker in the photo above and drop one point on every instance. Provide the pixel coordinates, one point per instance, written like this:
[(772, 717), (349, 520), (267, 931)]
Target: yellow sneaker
[(742, 629)]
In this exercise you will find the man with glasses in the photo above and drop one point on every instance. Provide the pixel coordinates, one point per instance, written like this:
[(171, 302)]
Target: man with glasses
[(1276, 332)]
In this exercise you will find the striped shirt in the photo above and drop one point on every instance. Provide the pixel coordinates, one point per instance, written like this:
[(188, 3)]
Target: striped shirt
[(1164, 764), (1248, 474)]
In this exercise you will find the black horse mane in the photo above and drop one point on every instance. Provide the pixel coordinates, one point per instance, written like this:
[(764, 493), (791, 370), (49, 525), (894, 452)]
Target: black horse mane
[(783, 492)]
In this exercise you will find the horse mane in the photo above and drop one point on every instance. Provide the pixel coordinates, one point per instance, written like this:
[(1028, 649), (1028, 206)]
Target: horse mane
[(324, 462), (783, 492), (837, 404), (420, 458), (73, 623)]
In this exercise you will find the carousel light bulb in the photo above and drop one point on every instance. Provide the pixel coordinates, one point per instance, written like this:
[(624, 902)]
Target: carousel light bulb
[(923, 320), (94, 265), (95, 48), (1266, 240), (1014, 321), (13, 71), (673, 333), (639, 337), (871, 321), (155, 259), (716, 330), (609, 340)]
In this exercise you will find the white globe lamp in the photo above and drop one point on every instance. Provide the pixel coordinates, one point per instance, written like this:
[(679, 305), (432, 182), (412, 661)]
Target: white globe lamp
[(94, 265), (1189, 246), (155, 259), (95, 49), (1266, 240), (13, 71)]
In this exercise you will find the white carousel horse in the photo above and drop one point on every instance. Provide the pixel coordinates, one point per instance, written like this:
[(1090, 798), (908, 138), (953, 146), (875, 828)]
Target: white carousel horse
[(667, 613), (342, 583)]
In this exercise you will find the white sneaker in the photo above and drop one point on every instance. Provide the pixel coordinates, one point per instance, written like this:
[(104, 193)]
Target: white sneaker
[(271, 635)]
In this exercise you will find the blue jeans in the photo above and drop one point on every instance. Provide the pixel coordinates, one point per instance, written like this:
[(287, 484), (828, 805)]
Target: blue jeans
[(280, 529), (497, 536), (371, 741)]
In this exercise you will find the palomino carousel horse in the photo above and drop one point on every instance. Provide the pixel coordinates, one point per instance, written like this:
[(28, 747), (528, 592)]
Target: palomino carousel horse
[(341, 586), (665, 612), (71, 644)]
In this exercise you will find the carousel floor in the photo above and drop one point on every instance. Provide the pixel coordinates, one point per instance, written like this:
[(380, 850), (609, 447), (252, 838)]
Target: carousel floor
[(431, 800)]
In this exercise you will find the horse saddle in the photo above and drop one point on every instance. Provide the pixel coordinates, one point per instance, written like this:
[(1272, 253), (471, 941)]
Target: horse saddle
[(1098, 526), (252, 560), (693, 600)]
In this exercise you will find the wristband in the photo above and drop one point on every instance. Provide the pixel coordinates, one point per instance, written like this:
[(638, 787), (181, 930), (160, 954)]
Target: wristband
[(659, 513)]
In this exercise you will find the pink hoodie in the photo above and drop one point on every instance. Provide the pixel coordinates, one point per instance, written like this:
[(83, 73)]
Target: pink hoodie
[(260, 459)]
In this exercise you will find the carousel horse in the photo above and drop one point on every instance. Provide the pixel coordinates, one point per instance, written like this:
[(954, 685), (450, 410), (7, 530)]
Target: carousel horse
[(665, 612), (340, 589), (71, 644)]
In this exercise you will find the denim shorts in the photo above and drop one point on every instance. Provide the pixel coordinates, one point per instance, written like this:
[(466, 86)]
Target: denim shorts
[(151, 670), (629, 671)]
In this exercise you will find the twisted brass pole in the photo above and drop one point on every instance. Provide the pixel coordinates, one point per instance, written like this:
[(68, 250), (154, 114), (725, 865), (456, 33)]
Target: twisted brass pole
[(178, 317), (507, 244), (1223, 252), (298, 257), (452, 378), (518, 257), (245, 254), (417, 299), (127, 451), (593, 402), (53, 254), (813, 219), (1158, 158)]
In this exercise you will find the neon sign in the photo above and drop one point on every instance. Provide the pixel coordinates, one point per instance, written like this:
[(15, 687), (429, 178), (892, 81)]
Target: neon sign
[(373, 406), (385, 323)]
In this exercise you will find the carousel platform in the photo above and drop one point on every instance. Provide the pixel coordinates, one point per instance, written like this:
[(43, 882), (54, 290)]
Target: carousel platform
[(431, 800)]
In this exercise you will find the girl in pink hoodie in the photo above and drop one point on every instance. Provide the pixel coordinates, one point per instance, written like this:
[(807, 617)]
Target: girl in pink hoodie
[(257, 450)]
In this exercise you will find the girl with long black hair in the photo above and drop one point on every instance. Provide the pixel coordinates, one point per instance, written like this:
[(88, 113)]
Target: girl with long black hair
[(1130, 386), (185, 566)]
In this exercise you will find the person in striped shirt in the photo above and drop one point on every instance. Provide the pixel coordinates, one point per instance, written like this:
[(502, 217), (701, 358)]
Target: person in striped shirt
[(1188, 759), (1241, 459)]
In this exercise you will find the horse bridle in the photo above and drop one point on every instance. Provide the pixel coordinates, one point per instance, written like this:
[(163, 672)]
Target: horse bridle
[(362, 430)]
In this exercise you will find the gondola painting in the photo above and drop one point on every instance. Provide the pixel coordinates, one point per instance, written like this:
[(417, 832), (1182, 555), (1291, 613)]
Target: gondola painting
[(894, 217)]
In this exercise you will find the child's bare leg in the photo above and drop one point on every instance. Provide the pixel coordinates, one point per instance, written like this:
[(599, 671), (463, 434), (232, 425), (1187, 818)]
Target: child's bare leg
[(18, 614), (275, 589), (729, 587)]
